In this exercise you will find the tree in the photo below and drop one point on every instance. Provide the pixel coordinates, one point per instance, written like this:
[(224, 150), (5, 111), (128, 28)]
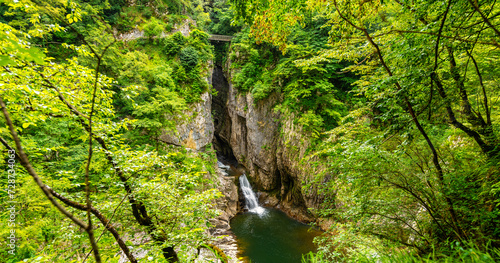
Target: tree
[(423, 63), (61, 122)]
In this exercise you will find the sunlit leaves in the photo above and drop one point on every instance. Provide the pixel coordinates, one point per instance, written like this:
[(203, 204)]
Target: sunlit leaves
[(13, 46), (386, 183), (177, 191)]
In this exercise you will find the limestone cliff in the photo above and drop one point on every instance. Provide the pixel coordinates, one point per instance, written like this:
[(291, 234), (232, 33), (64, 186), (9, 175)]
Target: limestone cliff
[(197, 130), (268, 144)]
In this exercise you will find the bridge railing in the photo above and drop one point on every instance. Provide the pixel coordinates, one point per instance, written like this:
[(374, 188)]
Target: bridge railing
[(220, 38)]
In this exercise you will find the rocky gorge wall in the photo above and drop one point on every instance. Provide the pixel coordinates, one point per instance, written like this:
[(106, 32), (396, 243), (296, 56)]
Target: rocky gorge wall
[(268, 144)]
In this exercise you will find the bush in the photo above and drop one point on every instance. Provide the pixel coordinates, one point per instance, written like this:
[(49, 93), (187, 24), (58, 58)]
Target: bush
[(451, 252), (189, 58), (153, 28), (199, 35), (170, 46), (179, 73), (163, 77), (179, 38), (261, 90), (311, 122), (168, 27)]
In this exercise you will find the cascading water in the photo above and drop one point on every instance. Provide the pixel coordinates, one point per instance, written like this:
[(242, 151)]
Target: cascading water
[(252, 204), (222, 166), (267, 235)]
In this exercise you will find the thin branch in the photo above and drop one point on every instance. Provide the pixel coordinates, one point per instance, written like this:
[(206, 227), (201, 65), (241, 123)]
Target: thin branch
[(435, 156), (4, 142), (27, 165), (436, 48), (106, 223), (456, 38), (61, 96), (138, 208), (483, 16), (87, 169), (485, 96)]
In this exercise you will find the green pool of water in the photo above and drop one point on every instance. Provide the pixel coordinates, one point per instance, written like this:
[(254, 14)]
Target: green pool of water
[(272, 237)]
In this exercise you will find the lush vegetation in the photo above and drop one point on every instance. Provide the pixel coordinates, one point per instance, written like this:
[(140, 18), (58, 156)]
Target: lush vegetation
[(412, 144), (313, 92), (399, 99), (83, 107)]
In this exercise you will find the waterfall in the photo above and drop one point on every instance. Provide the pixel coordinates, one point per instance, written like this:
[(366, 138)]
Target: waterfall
[(222, 166), (251, 202)]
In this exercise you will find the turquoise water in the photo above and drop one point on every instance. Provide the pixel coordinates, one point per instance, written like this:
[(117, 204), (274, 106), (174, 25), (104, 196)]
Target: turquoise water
[(272, 237)]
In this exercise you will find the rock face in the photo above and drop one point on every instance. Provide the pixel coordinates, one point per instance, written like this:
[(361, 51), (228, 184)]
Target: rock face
[(228, 205), (196, 132), (198, 128), (267, 144)]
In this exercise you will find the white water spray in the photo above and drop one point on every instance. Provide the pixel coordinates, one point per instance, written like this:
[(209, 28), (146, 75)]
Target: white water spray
[(222, 166), (252, 204)]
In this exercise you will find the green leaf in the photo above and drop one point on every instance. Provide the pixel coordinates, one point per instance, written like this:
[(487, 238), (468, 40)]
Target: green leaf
[(5, 60)]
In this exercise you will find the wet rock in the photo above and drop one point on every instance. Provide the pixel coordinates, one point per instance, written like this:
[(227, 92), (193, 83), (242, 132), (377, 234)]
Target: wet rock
[(228, 204)]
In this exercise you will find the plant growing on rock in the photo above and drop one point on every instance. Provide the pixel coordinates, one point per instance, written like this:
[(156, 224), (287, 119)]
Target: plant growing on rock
[(189, 58)]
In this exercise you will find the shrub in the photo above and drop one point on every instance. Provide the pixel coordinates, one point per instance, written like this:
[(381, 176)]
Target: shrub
[(135, 68), (147, 13), (170, 46), (162, 76), (261, 90), (153, 28), (189, 58), (179, 73), (311, 122), (199, 35), (168, 27), (179, 38)]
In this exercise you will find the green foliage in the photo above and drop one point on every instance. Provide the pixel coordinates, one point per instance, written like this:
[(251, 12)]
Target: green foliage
[(162, 107), (153, 28), (49, 97), (172, 44), (188, 57), (135, 68), (313, 258), (313, 92), (199, 36), (311, 122), (450, 252), (155, 114), (412, 164), (222, 17), (202, 18), (143, 63)]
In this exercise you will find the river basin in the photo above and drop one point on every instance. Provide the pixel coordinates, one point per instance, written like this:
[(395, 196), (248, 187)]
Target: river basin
[(272, 237)]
